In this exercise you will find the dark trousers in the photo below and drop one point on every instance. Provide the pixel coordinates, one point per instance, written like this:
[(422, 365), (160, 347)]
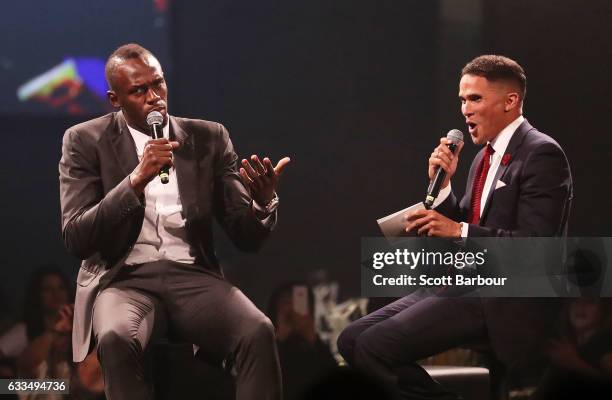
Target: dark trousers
[(387, 343), (200, 308)]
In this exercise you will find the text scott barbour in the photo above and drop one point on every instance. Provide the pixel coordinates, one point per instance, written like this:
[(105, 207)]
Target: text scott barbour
[(414, 259)]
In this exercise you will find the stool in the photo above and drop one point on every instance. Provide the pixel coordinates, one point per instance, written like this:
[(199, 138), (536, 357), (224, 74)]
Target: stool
[(471, 383), (172, 370), (479, 383), (498, 374)]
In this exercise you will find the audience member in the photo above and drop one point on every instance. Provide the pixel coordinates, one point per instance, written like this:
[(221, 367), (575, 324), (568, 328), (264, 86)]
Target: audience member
[(40, 345), (304, 358), (581, 358)]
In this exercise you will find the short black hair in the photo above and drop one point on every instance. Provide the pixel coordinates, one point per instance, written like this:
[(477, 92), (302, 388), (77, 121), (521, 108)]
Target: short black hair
[(498, 68), (33, 307), (125, 52)]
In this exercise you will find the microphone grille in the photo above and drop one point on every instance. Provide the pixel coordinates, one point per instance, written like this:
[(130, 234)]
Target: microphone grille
[(155, 117), (455, 135)]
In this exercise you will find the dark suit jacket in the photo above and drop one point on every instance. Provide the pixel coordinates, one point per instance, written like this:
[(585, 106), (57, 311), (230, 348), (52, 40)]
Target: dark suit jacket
[(102, 216), (535, 201)]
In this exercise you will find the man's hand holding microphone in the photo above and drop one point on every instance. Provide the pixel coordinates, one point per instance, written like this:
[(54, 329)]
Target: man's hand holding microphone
[(442, 166)]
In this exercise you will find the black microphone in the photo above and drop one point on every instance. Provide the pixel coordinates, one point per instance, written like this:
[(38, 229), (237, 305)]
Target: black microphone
[(155, 120), (456, 136)]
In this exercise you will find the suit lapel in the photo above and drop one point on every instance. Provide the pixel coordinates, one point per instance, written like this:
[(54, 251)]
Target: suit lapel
[(186, 168), (513, 145), (123, 145)]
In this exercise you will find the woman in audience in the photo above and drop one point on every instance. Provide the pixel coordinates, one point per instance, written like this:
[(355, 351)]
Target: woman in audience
[(41, 344), (581, 359)]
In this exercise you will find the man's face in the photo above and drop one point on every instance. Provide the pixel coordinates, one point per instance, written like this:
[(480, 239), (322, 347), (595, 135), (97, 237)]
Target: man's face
[(140, 88), (484, 103)]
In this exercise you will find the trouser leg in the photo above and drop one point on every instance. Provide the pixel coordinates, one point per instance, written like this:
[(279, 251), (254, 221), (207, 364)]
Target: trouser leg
[(348, 337), (124, 322), (225, 324), (387, 344)]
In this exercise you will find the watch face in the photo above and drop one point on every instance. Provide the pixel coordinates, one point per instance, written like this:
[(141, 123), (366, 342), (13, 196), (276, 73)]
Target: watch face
[(272, 205)]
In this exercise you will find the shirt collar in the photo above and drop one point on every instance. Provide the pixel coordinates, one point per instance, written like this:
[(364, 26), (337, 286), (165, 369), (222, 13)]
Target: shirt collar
[(500, 143)]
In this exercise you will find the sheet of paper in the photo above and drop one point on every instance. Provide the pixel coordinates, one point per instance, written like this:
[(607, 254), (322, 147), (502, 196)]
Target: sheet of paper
[(392, 226)]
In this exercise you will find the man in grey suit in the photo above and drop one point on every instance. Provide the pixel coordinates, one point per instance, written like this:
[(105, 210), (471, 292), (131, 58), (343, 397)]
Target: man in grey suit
[(519, 185), (147, 248)]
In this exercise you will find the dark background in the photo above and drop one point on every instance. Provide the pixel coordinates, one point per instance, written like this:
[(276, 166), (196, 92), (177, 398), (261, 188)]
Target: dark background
[(357, 93), (37, 35)]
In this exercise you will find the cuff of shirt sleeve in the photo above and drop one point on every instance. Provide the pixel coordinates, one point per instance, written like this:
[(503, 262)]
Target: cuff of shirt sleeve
[(464, 229), (264, 213), (444, 193), (268, 222)]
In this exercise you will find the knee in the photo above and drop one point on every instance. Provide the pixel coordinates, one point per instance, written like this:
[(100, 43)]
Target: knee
[(116, 340), (346, 343), (362, 345), (259, 331), (371, 348), (356, 346)]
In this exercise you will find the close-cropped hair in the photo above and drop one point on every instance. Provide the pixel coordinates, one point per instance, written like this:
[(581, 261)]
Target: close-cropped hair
[(122, 53), (498, 68)]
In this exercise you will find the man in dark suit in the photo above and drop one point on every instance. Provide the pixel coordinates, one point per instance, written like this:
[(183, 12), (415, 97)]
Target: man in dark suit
[(149, 263), (519, 185)]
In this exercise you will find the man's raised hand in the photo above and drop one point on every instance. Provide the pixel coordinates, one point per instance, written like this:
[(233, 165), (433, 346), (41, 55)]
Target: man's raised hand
[(262, 178), (443, 158)]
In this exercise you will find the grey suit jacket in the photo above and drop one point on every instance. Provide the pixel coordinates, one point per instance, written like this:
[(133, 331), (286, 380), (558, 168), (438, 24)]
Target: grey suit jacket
[(535, 201), (102, 216)]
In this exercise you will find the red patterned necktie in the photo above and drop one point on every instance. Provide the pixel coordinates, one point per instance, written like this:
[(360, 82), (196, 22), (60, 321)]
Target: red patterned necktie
[(479, 182)]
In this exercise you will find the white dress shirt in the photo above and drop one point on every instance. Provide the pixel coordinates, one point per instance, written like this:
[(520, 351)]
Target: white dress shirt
[(499, 144), (163, 234)]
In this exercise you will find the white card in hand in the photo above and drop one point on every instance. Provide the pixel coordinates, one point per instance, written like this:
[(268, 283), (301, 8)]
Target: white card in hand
[(394, 225)]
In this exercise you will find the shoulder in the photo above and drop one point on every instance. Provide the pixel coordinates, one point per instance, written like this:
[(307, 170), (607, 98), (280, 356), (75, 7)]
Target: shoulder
[(534, 139), (200, 126), (535, 146), (540, 154), (13, 341), (94, 129), (18, 329), (203, 133)]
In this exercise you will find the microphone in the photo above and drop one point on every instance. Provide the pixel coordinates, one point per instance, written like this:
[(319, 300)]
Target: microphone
[(456, 136), (155, 120)]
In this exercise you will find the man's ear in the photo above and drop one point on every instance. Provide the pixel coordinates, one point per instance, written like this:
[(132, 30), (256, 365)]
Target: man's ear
[(112, 98), (512, 101)]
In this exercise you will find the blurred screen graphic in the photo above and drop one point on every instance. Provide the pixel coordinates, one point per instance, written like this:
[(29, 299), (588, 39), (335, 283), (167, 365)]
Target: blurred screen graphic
[(53, 52)]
